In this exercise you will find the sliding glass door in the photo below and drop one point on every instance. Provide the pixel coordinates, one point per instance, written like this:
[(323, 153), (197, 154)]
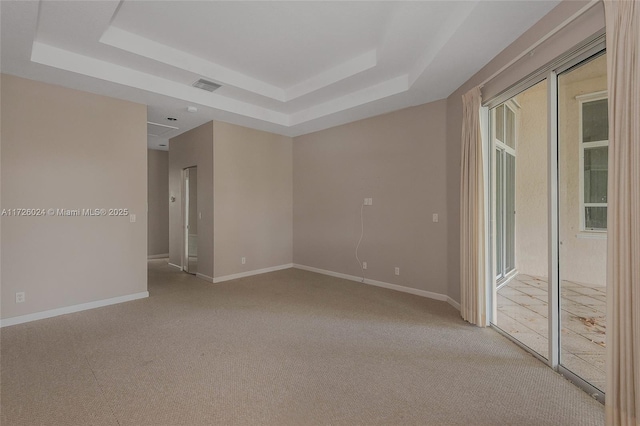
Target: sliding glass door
[(548, 156)]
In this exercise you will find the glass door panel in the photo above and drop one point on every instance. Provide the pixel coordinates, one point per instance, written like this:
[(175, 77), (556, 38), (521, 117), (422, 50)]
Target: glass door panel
[(582, 217), (520, 217)]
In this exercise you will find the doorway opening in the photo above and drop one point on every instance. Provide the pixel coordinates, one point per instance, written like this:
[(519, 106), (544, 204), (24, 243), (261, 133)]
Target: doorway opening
[(190, 216)]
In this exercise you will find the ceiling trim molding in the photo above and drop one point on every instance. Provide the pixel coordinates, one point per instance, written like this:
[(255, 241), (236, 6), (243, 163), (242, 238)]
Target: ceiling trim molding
[(63, 59), (141, 46), (340, 72), (370, 94), (69, 61)]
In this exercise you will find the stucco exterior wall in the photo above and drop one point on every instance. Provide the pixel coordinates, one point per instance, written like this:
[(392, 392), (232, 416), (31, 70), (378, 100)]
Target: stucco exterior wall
[(582, 254), (532, 182)]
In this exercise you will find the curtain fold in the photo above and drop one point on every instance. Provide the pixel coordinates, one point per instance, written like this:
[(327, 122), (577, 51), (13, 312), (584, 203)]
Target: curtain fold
[(472, 238), (623, 242)]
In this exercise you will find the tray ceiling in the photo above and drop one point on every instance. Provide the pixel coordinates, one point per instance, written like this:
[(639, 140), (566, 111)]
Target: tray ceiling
[(286, 67)]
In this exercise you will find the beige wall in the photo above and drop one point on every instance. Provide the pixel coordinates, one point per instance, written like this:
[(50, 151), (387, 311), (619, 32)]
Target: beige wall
[(583, 259), (192, 148), (68, 149), (396, 159), (244, 195), (253, 199), (532, 183), (158, 202), (582, 28), (1, 180)]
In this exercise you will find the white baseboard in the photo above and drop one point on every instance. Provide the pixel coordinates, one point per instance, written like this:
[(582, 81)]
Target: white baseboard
[(453, 303), (175, 266), (158, 256), (204, 277), (71, 309), (250, 273), (410, 290)]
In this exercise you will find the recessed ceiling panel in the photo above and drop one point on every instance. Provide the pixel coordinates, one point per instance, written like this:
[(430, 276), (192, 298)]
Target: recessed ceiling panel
[(281, 43), (285, 67)]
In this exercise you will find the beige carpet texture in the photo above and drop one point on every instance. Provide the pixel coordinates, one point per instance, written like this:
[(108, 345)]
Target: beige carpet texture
[(284, 348)]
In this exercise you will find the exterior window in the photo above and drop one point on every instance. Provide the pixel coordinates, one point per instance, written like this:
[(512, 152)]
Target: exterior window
[(594, 158)]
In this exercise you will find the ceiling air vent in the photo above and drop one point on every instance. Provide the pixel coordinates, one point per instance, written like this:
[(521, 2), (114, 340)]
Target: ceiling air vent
[(157, 129), (207, 85)]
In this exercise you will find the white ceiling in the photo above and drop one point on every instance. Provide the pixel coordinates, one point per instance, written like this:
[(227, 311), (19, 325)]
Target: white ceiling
[(285, 67)]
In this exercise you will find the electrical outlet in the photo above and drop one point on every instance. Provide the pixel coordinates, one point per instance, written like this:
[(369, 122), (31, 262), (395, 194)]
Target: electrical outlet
[(364, 265), (132, 218), (435, 217), (20, 297), (368, 201), (243, 260), (397, 271)]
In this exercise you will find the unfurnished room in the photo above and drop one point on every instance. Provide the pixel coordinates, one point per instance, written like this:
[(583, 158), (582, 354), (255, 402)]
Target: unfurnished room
[(320, 212)]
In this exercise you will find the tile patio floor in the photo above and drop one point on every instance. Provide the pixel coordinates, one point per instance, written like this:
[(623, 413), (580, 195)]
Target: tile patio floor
[(523, 312)]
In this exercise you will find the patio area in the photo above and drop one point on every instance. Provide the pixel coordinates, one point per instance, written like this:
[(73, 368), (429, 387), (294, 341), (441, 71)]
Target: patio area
[(523, 312)]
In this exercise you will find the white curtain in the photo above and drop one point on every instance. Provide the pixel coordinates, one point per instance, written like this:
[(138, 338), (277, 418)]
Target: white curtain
[(623, 244), (472, 255)]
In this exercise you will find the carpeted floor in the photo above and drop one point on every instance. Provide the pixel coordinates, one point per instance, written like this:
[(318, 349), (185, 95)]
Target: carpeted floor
[(285, 348)]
